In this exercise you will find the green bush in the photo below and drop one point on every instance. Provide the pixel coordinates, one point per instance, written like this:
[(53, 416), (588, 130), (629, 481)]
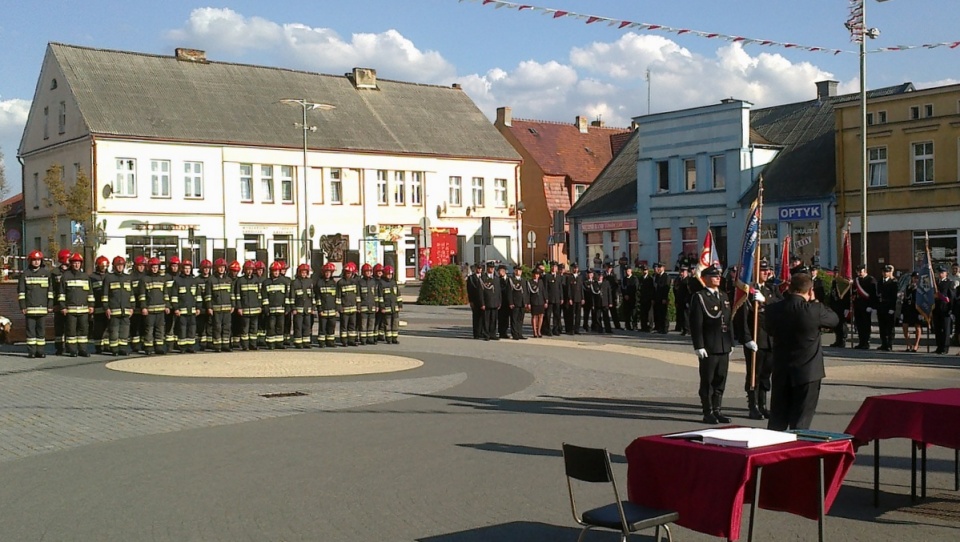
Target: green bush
[(443, 285)]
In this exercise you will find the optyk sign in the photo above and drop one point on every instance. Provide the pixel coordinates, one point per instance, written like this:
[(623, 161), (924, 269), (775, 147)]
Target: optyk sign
[(801, 212)]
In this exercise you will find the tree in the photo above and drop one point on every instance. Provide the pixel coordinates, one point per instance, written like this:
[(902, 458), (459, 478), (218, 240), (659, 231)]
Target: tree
[(5, 244), (73, 202)]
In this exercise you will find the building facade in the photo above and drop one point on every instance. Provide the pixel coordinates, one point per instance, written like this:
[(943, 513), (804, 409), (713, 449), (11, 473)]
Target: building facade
[(203, 159)]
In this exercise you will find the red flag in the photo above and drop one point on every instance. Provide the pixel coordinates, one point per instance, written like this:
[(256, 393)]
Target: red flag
[(785, 265), (845, 273)]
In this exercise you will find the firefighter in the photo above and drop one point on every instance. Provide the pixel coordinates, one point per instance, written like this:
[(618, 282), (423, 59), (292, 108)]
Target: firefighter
[(136, 319), (380, 333), (246, 290), (369, 291), (259, 273), (119, 301), (328, 303), (98, 335), (301, 304), (59, 317), (76, 303), (189, 300), (348, 303), (154, 306), (276, 303), (235, 320), (171, 322), (203, 318), (219, 302), (35, 294), (390, 305)]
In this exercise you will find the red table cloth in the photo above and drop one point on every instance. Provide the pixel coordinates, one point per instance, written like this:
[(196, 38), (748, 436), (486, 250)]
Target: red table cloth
[(932, 417), (708, 485)]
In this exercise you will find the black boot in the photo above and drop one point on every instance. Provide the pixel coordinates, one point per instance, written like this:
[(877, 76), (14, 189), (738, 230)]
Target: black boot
[(762, 404), (755, 413), (717, 402), (708, 416)]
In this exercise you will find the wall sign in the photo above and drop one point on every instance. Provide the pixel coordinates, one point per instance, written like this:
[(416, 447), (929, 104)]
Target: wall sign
[(801, 212)]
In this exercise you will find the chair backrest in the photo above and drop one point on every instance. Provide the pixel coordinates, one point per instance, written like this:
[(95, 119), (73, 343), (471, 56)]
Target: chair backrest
[(587, 464)]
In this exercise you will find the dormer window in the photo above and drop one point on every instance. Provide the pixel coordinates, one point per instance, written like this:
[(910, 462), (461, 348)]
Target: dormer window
[(53, 84)]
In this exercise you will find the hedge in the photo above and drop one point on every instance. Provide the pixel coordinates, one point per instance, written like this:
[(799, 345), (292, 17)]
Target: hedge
[(443, 285)]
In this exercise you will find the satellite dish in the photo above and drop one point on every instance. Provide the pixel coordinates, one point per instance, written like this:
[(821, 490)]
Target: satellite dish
[(107, 191)]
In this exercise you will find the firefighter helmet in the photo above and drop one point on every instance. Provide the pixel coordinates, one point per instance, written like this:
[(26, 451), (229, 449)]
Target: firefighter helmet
[(303, 267), (220, 261), (205, 264), (276, 266), (76, 257), (365, 267), (235, 266), (174, 260), (351, 267), (101, 260), (388, 270), (35, 255), (140, 260), (377, 268), (64, 255), (119, 260), (257, 265), (186, 263), (153, 261), (329, 267)]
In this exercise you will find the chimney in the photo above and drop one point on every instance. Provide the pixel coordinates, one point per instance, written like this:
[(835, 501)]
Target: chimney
[(190, 55), (582, 124), (365, 78), (504, 116), (597, 123), (729, 100), (634, 125), (826, 89)]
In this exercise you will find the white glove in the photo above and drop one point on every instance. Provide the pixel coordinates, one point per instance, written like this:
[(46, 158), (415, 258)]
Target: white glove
[(702, 353), (889, 312), (846, 313), (869, 310), (751, 346), (758, 297)]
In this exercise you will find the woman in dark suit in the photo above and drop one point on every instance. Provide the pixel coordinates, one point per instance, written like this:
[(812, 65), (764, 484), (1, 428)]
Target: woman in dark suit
[(909, 313)]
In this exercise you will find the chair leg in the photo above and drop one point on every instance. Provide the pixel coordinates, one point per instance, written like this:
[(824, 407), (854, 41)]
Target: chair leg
[(583, 532), (669, 536)]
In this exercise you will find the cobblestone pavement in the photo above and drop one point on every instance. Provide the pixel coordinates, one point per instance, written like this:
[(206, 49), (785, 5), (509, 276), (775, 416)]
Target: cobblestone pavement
[(463, 448)]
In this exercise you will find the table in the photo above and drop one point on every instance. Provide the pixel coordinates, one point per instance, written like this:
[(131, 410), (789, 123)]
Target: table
[(925, 417), (708, 484)]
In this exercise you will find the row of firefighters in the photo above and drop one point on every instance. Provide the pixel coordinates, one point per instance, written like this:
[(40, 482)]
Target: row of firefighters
[(224, 307)]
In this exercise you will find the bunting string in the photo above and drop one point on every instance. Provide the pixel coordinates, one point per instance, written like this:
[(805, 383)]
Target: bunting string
[(854, 24)]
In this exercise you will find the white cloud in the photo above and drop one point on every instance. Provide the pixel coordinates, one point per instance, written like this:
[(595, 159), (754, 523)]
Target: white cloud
[(13, 117)]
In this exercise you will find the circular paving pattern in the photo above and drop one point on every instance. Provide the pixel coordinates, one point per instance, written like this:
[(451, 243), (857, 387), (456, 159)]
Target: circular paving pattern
[(265, 364)]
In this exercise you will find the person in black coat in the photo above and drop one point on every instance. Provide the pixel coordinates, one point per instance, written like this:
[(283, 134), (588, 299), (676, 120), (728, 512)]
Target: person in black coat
[(840, 305), (646, 298), (628, 291), (516, 300), (909, 313), (661, 299), (603, 304), (552, 283), (794, 324), (573, 297), (476, 301), (590, 291), (490, 297), (681, 298), (758, 347), (864, 305), (887, 292), (612, 281), (505, 316), (711, 329), (942, 309)]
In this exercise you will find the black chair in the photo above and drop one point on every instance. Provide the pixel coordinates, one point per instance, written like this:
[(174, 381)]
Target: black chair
[(593, 465)]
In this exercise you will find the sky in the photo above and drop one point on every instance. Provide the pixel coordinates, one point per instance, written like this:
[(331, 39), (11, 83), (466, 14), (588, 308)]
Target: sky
[(543, 67)]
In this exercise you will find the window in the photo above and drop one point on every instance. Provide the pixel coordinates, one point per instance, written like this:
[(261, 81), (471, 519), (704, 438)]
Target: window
[(877, 159), (881, 117), (266, 183), (690, 244), (690, 175), (928, 110), (286, 184), (923, 162), (663, 245), (246, 182), (719, 172), (578, 190), (663, 175), (869, 119), (477, 190), (62, 118), (193, 180), (76, 171), (416, 185), (36, 190), (46, 123), (914, 112), (399, 188), (336, 187), (943, 247), (125, 184), (454, 196), (500, 192), (381, 187)]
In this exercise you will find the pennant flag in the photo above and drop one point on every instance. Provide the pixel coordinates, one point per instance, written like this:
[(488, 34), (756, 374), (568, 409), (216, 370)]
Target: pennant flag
[(708, 255), (926, 293), (845, 273), (784, 279), (748, 256)]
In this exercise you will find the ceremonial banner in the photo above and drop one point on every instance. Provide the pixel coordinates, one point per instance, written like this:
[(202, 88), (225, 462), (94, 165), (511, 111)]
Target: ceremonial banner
[(926, 293), (845, 273), (748, 256), (784, 279), (708, 255)]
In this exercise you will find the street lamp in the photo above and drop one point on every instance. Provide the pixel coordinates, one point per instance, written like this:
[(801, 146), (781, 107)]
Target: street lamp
[(305, 105)]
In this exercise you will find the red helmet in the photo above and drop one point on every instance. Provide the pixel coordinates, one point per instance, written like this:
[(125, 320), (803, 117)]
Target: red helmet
[(101, 260), (235, 266), (76, 257), (186, 263), (64, 255), (351, 267), (388, 270), (259, 265), (119, 260), (35, 255), (205, 264), (140, 260), (377, 268), (303, 267), (174, 261), (153, 261), (329, 267), (365, 267), (276, 266), (248, 265), (220, 261)]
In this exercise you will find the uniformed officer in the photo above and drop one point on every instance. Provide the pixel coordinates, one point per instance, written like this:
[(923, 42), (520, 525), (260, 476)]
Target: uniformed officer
[(888, 289), (136, 319), (390, 305), (603, 302), (171, 321), (348, 303), (553, 291), (219, 304), (628, 290), (119, 300), (516, 298), (260, 274), (840, 305), (491, 298), (301, 305), (757, 347), (189, 300), (646, 298), (327, 298), (35, 295), (612, 281), (204, 337), (590, 293), (573, 294), (276, 303), (378, 325), (154, 303), (681, 298), (59, 317), (368, 290), (864, 305), (98, 335), (76, 303), (475, 298), (246, 290), (661, 298), (942, 310), (712, 334), (819, 292)]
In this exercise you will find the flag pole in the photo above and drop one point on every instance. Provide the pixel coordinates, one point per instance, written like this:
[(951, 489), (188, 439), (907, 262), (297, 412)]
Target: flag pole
[(849, 321), (756, 275)]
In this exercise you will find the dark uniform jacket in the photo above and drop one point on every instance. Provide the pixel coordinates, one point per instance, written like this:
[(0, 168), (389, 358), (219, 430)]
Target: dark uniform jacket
[(607, 296), (661, 287), (189, 297), (152, 294), (795, 326), (369, 290), (473, 290), (276, 294), (327, 297), (629, 286), (818, 291), (744, 318), (301, 294), (613, 285), (218, 293), (552, 288), (710, 325), (35, 291), (515, 294), (866, 295), (390, 296), (887, 291), (246, 291), (348, 295), (490, 291), (118, 294), (96, 286), (681, 292), (75, 293), (535, 293), (943, 301), (647, 287), (573, 287)]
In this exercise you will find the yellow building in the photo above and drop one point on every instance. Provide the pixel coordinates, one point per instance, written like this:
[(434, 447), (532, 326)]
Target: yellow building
[(913, 178)]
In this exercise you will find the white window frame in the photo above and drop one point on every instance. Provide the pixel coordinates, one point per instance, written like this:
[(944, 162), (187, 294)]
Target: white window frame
[(125, 180), (454, 192), (399, 188), (246, 183), (578, 191), (336, 186), (266, 183), (476, 190), (690, 183), (925, 158), (416, 188), (286, 184), (877, 167), (193, 180), (881, 117), (914, 112), (719, 171), (382, 187), (927, 110), (500, 193)]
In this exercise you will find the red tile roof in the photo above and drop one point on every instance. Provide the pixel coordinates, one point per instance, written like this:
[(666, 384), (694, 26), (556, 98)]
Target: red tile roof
[(560, 148)]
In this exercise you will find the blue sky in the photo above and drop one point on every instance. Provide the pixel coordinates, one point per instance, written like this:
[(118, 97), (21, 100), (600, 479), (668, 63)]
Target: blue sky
[(543, 67)]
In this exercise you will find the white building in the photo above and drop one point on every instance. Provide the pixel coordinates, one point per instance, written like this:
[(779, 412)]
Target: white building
[(202, 159)]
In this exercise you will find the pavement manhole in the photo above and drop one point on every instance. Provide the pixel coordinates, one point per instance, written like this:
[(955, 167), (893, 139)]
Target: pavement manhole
[(283, 394), (943, 506)]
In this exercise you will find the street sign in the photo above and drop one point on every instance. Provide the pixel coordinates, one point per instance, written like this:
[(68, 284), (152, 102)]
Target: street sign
[(531, 245), (531, 236)]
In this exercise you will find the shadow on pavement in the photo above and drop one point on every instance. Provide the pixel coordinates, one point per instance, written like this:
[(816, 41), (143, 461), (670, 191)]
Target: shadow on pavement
[(528, 450), (855, 502), (525, 531)]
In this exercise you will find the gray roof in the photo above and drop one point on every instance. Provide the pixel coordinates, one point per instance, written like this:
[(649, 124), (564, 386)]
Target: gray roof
[(159, 97), (806, 167), (614, 191)]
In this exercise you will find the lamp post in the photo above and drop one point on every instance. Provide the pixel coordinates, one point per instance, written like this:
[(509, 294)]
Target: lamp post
[(305, 105)]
